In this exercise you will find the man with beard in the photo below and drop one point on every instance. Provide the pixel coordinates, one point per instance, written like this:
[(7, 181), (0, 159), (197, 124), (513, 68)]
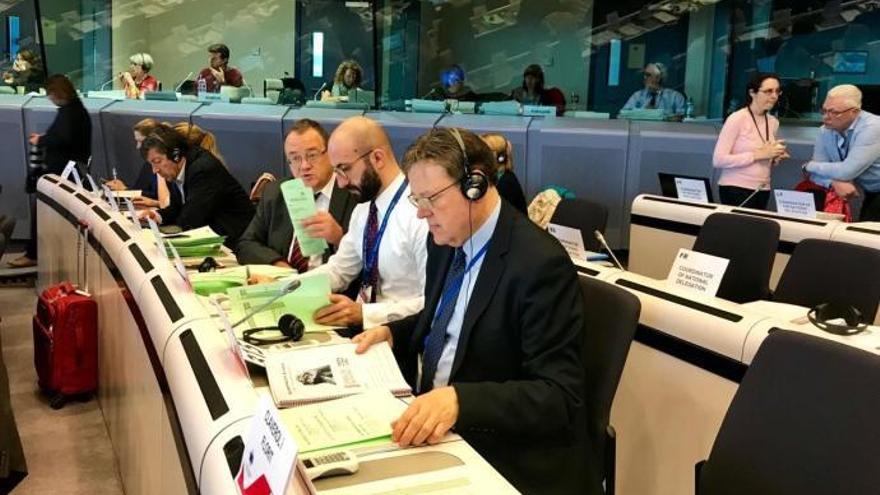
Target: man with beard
[(385, 242)]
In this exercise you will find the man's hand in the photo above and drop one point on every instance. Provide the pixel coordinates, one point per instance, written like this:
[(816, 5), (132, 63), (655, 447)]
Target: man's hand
[(370, 337), (846, 190), (427, 419), (34, 138), (324, 226), (145, 202), (341, 312), (116, 185), (144, 214), (219, 75)]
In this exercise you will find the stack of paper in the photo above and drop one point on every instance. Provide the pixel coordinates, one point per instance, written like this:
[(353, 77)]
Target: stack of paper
[(312, 294), (218, 281), (196, 242)]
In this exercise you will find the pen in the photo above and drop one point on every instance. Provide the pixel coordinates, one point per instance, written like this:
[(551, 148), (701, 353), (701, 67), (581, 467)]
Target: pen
[(113, 171)]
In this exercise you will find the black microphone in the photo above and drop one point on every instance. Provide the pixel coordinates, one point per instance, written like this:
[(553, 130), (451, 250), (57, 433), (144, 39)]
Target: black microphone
[(757, 189), (318, 92), (601, 239), (286, 289)]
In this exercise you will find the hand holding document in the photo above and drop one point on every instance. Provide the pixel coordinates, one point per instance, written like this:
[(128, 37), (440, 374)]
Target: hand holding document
[(300, 201)]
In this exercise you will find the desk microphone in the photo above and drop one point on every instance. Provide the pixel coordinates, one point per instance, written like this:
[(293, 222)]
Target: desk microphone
[(248, 86), (318, 92), (106, 83), (601, 239), (429, 93), (287, 289), (757, 189), (182, 82)]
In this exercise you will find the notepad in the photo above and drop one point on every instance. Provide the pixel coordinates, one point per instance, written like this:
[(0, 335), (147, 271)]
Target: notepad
[(303, 376)]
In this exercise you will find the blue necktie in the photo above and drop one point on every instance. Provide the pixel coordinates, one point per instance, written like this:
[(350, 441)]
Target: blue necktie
[(437, 338)]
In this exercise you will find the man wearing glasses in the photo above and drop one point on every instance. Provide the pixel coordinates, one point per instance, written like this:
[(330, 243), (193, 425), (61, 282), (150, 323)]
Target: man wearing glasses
[(501, 335), (270, 239), (847, 150), (385, 242)]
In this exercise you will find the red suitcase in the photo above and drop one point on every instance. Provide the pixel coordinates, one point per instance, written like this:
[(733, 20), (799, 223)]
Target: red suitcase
[(66, 343)]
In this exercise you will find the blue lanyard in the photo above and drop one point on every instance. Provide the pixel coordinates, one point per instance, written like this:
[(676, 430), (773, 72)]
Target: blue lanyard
[(455, 286), (373, 256)]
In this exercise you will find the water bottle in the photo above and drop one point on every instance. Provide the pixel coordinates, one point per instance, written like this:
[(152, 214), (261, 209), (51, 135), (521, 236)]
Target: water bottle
[(202, 87), (689, 109)]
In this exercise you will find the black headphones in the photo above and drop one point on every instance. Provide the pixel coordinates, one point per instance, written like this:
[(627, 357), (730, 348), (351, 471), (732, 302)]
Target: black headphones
[(822, 313), (209, 264), (473, 182), (175, 154), (291, 327)]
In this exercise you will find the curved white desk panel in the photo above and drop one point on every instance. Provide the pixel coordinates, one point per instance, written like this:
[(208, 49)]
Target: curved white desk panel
[(591, 269), (861, 233), (211, 389), (659, 226)]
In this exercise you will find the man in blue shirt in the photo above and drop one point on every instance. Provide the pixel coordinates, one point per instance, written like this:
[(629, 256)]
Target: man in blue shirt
[(655, 95), (847, 150)]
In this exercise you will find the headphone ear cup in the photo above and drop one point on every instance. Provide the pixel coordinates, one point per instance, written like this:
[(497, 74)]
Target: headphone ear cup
[(291, 327), (474, 185)]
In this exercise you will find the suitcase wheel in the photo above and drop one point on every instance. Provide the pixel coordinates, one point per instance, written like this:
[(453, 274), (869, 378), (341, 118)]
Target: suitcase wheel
[(57, 401)]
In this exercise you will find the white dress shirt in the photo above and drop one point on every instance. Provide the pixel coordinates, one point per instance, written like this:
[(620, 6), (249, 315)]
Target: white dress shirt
[(471, 247), (322, 203), (402, 258)]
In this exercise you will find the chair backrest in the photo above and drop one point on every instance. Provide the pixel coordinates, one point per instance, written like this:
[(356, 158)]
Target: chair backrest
[(272, 88), (803, 421), (611, 316), (585, 215), (821, 271), (750, 244), (234, 93)]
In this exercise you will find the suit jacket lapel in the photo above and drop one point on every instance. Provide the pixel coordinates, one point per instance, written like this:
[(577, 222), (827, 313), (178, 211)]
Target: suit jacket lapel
[(490, 272)]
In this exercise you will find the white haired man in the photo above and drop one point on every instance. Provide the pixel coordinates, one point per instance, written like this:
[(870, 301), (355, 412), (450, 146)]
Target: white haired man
[(846, 155), (654, 95)]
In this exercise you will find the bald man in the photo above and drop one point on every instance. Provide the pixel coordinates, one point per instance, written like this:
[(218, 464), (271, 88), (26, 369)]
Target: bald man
[(386, 241)]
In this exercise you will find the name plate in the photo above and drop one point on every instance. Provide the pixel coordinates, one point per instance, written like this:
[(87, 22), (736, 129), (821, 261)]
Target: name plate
[(269, 453), (697, 272), (795, 203), (571, 239), (539, 111), (213, 98), (691, 190)]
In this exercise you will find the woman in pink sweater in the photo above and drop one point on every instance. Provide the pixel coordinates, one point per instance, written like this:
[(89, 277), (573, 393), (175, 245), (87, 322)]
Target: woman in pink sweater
[(747, 147)]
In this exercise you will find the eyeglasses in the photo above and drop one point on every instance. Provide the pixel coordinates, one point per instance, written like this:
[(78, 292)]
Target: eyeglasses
[(427, 202), (309, 157), (835, 113), (341, 169)]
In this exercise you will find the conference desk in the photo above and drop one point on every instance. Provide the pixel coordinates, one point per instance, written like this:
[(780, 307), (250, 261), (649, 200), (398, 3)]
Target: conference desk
[(611, 161), (176, 403), (689, 354)]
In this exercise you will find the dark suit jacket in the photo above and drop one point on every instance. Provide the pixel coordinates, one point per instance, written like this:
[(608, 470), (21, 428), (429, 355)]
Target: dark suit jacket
[(211, 197), (517, 371), (267, 238)]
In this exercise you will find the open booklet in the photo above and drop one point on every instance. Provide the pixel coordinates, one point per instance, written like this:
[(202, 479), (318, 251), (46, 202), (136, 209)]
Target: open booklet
[(315, 374), (362, 420)]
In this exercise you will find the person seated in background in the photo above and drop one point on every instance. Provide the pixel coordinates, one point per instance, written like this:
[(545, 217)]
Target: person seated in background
[(453, 86), (846, 154), (219, 72), (137, 79), (27, 71), (68, 138), (506, 183), (347, 80), (533, 92), (210, 195), (270, 239), (654, 95), (197, 137), (153, 188), (385, 242), (747, 148), (501, 335)]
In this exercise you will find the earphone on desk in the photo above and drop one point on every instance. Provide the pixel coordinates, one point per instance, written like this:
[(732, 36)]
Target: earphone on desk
[(821, 314), (291, 328)]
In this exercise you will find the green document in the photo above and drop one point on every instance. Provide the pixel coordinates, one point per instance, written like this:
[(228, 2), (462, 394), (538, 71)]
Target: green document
[(300, 201), (218, 281), (312, 294), (202, 236)]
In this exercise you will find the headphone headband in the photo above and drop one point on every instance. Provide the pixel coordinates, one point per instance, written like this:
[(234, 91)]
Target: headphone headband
[(821, 314)]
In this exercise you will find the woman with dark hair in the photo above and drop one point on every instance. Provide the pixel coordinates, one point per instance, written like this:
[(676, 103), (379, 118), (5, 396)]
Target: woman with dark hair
[(69, 138), (348, 78), (27, 71), (747, 147), (533, 92)]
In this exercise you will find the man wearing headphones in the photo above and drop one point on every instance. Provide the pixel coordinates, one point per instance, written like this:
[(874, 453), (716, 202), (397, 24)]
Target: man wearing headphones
[(500, 337), (654, 95), (385, 242), (210, 195)]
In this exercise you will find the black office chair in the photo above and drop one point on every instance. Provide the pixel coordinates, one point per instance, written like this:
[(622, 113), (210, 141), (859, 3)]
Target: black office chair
[(611, 317), (804, 422), (750, 244), (585, 215), (821, 271)]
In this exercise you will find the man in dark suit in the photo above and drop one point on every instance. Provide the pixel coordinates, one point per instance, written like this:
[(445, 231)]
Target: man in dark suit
[(501, 333), (210, 195), (269, 237)]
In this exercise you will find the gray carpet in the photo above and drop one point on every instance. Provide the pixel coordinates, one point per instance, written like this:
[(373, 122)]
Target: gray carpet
[(67, 451)]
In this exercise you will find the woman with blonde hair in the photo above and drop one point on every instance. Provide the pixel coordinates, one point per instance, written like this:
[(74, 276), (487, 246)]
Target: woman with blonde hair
[(508, 185), (137, 79), (196, 136)]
